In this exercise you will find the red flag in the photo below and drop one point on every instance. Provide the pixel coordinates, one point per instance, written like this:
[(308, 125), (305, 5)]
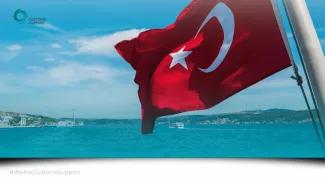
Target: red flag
[(215, 49)]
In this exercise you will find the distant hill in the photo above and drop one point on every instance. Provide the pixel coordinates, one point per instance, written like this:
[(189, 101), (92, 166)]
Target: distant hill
[(247, 117), (9, 119)]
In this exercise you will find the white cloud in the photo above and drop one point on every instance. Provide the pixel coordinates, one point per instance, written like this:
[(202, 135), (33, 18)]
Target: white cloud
[(49, 27), (70, 74), (14, 47), (10, 52), (94, 90), (49, 59), (103, 45), (56, 46)]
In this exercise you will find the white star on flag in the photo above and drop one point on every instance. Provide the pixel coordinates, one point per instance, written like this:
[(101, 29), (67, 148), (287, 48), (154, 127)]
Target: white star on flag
[(179, 58)]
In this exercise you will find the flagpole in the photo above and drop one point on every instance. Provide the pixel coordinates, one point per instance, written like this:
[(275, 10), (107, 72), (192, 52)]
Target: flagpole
[(310, 49), (298, 77)]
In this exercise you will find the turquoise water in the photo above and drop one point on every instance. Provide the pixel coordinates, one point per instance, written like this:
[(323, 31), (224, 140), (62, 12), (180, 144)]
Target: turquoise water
[(196, 141)]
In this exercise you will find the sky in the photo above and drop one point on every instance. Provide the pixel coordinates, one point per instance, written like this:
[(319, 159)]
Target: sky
[(69, 63)]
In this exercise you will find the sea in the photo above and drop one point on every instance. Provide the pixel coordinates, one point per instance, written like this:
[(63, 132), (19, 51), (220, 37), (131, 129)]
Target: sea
[(124, 140)]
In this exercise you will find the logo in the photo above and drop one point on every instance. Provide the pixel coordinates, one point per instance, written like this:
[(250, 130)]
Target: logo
[(20, 15)]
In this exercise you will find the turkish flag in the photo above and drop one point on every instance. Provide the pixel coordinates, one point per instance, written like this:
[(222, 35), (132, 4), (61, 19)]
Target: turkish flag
[(215, 49)]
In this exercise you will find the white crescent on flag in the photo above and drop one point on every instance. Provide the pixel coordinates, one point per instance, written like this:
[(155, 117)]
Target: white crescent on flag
[(227, 20)]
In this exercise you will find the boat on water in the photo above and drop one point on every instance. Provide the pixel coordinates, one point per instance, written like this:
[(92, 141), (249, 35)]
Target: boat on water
[(178, 125)]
